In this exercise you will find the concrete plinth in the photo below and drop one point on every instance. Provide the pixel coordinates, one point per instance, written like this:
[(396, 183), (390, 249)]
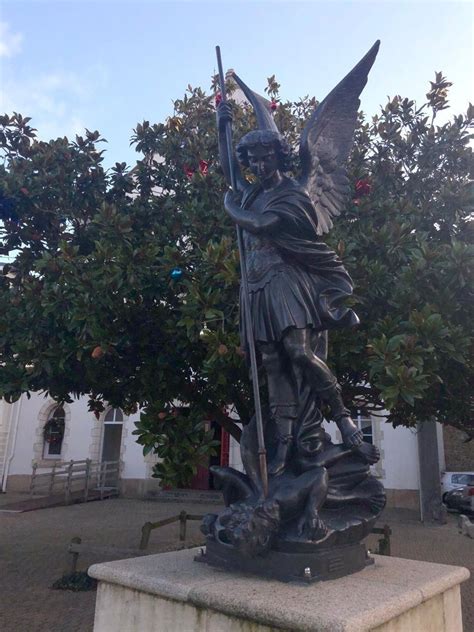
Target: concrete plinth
[(171, 592)]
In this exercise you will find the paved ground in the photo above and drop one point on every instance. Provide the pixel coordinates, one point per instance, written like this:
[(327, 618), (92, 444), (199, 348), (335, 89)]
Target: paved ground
[(441, 544), (33, 554)]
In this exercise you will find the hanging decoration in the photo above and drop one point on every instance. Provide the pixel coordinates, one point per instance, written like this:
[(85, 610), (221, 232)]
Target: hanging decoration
[(204, 167), (205, 332), (176, 273), (53, 431)]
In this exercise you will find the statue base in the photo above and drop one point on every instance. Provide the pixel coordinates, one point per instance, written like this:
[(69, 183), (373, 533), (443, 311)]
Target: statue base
[(301, 565), (171, 592)]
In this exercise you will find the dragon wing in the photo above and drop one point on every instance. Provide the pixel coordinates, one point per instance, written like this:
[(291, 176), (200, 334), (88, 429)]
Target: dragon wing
[(326, 142)]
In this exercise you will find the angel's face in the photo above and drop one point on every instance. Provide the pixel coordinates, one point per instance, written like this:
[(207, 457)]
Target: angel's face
[(263, 162)]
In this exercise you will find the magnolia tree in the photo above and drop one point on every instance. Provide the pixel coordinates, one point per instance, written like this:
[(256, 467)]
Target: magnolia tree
[(123, 284)]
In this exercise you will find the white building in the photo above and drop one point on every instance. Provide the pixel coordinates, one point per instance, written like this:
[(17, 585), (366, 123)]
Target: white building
[(110, 438)]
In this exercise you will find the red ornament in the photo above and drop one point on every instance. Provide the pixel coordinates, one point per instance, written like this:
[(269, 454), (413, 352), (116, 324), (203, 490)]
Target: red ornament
[(97, 352), (362, 187), (189, 171), (204, 167), (218, 98), (273, 105)]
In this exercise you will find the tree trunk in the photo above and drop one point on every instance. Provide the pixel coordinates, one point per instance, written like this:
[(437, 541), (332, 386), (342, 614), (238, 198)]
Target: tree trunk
[(431, 506)]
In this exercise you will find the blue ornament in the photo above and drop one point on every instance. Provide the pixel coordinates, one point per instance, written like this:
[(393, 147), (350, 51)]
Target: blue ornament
[(176, 273)]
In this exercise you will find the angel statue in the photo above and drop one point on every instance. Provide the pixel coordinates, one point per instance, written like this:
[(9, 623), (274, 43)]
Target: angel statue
[(296, 291), (297, 284)]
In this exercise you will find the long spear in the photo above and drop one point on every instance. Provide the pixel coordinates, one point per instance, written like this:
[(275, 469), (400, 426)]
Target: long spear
[(262, 453)]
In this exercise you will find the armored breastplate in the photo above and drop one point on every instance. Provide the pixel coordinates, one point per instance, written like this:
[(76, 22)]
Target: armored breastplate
[(262, 258)]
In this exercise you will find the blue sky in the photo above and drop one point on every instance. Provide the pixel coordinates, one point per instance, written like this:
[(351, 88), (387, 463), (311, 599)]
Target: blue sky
[(109, 64)]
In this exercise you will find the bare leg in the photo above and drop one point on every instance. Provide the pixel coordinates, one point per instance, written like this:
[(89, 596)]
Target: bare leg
[(310, 523), (303, 496), (283, 406), (297, 344)]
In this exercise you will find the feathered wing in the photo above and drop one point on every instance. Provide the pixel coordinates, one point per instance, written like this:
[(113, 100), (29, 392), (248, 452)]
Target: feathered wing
[(261, 106), (326, 142)]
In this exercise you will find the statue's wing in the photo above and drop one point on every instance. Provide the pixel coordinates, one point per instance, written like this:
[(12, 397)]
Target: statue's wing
[(261, 106), (326, 142)]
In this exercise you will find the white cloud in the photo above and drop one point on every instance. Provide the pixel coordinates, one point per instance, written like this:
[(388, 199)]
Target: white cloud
[(58, 101), (10, 43)]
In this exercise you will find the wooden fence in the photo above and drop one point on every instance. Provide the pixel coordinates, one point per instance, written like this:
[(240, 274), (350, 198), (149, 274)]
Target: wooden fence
[(77, 480), (182, 518), (76, 546)]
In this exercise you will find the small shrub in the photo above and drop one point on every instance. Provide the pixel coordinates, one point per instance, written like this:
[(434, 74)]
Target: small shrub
[(78, 581)]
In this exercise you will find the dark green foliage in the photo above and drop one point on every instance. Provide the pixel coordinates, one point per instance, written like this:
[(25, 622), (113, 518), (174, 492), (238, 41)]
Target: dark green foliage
[(90, 305), (78, 581), (408, 245)]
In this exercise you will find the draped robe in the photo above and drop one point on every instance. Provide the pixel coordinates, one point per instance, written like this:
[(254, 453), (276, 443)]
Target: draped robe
[(295, 280)]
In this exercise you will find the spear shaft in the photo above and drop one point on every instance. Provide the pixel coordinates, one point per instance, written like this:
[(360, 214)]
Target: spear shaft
[(262, 453)]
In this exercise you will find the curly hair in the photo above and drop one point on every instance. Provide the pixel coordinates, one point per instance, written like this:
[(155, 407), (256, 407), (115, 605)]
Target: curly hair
[(252, 528), (265, 138)]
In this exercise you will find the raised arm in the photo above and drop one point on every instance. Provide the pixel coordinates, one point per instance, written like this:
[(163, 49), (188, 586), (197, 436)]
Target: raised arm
[(224, 117)]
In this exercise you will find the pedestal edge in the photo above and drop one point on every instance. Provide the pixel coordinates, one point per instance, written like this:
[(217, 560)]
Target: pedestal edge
[(182, 581)]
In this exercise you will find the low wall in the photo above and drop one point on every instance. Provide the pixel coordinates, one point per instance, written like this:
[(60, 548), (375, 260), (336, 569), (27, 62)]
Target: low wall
[(18, 483), (403, 499), (139, 487)]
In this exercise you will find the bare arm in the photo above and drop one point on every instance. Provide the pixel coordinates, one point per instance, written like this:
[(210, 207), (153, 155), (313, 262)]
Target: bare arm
[(261, 223)]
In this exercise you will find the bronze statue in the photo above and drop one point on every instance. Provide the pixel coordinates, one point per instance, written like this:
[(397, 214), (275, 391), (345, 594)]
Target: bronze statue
[(293, 294)]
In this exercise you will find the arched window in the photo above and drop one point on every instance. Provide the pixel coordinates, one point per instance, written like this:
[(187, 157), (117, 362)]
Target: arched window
[(113, 415), (112, 435), (53, 434)]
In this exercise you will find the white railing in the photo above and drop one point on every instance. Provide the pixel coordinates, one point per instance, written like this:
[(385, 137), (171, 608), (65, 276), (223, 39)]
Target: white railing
[(76, 480)]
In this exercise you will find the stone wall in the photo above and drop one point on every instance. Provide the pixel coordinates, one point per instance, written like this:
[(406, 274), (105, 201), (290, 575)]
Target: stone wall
[(403, 499), (459, 455)]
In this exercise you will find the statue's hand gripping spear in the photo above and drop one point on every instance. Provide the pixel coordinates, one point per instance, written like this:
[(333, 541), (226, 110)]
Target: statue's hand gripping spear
[(262, 453)]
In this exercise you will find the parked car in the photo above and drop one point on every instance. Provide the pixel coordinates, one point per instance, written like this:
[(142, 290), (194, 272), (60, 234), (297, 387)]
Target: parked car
[(461, 500), (455, 480)]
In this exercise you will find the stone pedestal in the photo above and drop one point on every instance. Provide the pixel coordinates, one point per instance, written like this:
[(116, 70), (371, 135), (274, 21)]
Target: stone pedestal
[(171, 592)]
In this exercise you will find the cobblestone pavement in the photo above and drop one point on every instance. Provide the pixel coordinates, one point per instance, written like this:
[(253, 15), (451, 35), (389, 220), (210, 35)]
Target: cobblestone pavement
[(33, 554)]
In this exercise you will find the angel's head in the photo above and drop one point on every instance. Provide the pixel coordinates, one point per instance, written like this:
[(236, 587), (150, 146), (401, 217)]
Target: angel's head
[(264, 152)]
